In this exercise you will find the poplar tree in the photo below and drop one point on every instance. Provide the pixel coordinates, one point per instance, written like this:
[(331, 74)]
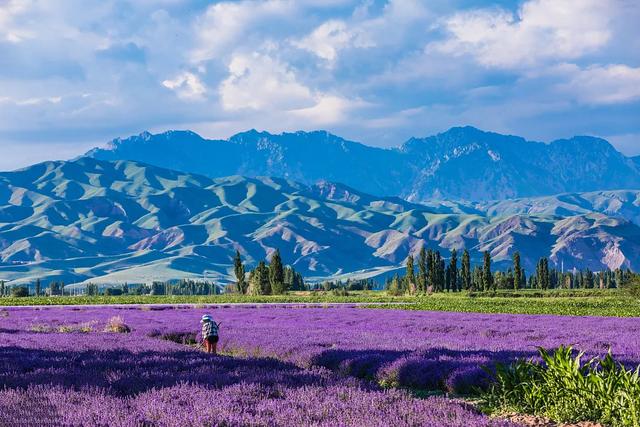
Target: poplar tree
[(441, 276), (238, 269), (447, 278), (259, 280), (487, 276), (466, 270), (431, 270), (588, 279), (542, 273), (422, 271), (477, 281), (453, 270), (276, 274), (411, 278), (517, 271)]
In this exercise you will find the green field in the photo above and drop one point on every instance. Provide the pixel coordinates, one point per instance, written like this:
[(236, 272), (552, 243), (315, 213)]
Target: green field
[(576, 303), (614, 305)]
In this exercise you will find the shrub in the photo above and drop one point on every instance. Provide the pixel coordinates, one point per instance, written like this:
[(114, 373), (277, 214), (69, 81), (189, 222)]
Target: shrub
[(116, 324), (19, 291), (632, 288), (415, 372), (185, 338), (564, 389), (340, 292), (468, 380)]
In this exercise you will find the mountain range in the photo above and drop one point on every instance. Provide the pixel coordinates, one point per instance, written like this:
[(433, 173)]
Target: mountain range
[(463, 163), (125, 221)]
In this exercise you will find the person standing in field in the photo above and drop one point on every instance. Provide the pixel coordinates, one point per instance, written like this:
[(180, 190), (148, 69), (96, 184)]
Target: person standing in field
[(210, 334)]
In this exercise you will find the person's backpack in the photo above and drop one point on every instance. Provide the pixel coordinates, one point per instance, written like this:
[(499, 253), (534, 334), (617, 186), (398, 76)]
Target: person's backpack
[(214, 328)]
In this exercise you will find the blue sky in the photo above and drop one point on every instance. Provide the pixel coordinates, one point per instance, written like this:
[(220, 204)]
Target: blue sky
[(74, 74)]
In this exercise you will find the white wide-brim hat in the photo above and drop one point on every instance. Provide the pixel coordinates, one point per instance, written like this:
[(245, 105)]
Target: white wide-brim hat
[(205, 317)]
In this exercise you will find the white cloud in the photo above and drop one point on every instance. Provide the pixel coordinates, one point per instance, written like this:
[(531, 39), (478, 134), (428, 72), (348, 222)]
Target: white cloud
[(329, 110), (392, 27), (31, 101), (9, 30), (542, 30), (187, 86), (223, 24), (259, 82), (601, 85), (331, 37)]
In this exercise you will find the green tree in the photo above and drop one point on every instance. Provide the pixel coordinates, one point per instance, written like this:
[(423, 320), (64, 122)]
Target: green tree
[(476, 280), (410, 277), (542, 273), (588, 279), (517, 271), (38, 287), (238, 268), (447, 278), (422, 271), (466, 270), (19, 291), (441, 272), (431, 270), (487, 276), (395, 286), (2, 288), (259, 280), (453, 270), (276, 274)]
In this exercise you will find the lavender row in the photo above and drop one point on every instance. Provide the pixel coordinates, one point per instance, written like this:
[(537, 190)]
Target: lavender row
[(423, 350), (58, 365)]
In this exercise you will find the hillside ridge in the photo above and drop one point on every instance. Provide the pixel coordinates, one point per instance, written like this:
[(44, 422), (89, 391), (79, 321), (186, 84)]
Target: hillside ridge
[(126, 221)]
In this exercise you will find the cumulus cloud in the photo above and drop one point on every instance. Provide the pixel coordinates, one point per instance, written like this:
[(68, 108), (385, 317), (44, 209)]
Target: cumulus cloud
[(328, 110), (224, 23), (259, 82), (73, 71), (541, 30), (186, 85), (331, 37), (598, 84)]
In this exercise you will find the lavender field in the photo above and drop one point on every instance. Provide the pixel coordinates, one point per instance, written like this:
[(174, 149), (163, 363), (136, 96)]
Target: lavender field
[(279, 366)]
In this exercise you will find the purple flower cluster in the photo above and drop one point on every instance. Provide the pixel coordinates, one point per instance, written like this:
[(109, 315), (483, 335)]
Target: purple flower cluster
[(281, 366)]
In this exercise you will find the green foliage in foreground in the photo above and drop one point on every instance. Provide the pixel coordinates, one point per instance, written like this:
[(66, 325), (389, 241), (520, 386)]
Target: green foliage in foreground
[(564, 389)]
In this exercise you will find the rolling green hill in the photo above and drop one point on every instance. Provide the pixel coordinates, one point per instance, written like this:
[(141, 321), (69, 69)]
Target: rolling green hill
[(124, 221)]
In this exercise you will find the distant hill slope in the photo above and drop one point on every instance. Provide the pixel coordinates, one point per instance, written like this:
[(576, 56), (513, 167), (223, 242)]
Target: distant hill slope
[(120, 221), (461, 163)]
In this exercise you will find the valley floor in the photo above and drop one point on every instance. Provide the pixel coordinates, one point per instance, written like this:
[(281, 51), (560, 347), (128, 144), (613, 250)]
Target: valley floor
[(610, 303)]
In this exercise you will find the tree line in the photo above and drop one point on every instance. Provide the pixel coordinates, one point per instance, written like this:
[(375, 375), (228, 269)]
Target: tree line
[(271, 278), (432, 273), (429, 272)]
